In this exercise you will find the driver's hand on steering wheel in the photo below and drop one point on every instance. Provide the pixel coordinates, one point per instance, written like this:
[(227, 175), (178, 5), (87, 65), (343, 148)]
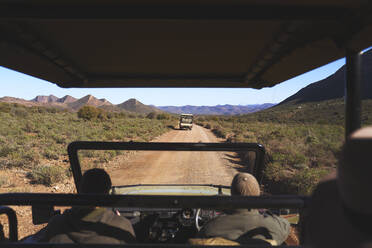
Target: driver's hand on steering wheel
[(117, 212)]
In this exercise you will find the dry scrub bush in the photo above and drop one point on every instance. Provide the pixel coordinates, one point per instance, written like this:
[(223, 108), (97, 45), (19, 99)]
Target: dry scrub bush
[(163, 116), (47, 175), (219, 132), (151, 115), (91, 113), (3, 180), (43, 134), (5, 107)]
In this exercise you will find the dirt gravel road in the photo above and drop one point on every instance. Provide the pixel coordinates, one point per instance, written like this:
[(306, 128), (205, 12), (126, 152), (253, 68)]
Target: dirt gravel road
[(169, 167)]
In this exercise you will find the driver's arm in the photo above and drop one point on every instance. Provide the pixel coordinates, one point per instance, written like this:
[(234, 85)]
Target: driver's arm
[(278, 226)]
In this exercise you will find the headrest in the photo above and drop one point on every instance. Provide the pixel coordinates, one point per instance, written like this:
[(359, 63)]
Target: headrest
[(355, 171)]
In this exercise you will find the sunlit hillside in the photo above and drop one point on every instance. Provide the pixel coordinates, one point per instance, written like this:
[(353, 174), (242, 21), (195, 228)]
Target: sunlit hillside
[(302, 141)]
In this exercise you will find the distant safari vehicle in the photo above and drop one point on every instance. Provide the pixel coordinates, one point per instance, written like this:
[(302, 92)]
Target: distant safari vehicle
[(186, 121)]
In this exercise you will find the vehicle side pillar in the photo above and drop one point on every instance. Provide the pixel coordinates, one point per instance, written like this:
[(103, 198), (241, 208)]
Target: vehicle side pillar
[(353, 91)]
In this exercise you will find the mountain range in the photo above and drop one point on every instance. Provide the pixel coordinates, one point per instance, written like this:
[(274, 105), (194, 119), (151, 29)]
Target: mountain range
[(133, 105), (216, 110), (333, 86), (52, 98), (74, 104)]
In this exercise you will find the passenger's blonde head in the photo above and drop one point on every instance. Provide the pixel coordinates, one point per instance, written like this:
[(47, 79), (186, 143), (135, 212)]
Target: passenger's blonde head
[(245, 184)]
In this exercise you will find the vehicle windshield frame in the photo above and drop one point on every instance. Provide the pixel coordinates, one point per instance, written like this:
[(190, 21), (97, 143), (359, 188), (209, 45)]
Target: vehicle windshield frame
[(75, 147)]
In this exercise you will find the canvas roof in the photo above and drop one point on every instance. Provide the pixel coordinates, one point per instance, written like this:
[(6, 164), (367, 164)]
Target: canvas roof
[(205, 43)]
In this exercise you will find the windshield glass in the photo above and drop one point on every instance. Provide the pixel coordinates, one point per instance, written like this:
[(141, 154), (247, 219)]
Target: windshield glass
[(190, 171), (186, 119)]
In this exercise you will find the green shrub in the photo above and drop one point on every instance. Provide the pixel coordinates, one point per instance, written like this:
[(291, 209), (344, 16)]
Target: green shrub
[(5, 107), (37, 109), (47, 175), (304, 181), (121, 115), (87, 153), (51, 154), (3, 180), (163, 116), (52, 110), (151, 115), (31, 156), (16, 162), (6, 150), (110, 115), (59, 139), (219, 132), (20, 112), (29, 127), (88, 113), (102, 115)]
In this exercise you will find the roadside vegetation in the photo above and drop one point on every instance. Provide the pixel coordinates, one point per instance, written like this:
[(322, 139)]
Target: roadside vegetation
[(35, 139), (302, 141)]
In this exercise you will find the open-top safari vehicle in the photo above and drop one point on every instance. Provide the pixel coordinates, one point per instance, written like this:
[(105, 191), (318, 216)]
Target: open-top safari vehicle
[(247, 44), (172, 222), (186, 121)]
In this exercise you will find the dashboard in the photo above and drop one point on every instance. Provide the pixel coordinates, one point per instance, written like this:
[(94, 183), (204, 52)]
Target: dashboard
[(168, 225)]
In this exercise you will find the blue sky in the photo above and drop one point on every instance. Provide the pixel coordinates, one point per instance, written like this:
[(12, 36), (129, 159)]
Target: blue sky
[(22, 86)]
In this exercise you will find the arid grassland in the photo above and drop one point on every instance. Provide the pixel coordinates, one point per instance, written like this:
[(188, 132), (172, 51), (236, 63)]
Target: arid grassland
[(33, 140), (302, 141), (33, 147)]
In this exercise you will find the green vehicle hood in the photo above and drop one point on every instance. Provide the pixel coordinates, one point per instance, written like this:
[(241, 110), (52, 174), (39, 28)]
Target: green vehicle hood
[(170, 190)]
